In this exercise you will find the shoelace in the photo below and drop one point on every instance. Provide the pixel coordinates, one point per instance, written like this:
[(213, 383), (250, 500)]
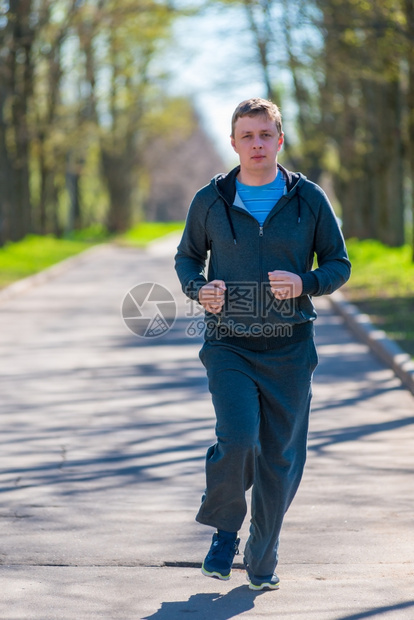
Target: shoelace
[(225, 545)]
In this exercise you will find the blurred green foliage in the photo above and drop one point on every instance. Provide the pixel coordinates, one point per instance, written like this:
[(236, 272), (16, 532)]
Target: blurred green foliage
[(382, 286), (378, 270), (35, 252), (145, 232)]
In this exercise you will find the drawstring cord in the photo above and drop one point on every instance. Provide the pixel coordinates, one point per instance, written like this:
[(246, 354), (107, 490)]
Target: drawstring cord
[(230, 223)]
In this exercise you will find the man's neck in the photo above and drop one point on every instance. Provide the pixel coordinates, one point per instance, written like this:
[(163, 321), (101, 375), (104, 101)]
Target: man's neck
[(259, 178)]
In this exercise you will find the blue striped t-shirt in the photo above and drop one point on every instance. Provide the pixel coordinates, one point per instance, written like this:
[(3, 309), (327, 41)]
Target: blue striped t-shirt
[(259, 200)]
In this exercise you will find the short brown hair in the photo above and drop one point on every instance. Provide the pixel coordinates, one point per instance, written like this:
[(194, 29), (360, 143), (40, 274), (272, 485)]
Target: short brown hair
[(254, 107)]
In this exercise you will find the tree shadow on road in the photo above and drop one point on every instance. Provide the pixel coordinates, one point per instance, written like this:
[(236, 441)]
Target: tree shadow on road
[(122, 418), (323, 439), (378, 611), (362, 383)]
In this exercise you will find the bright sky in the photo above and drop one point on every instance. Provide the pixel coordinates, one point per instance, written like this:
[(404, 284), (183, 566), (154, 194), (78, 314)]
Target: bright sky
[(213, 65)]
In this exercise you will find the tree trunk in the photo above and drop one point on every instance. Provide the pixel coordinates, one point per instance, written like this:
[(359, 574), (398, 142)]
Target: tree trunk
[(17, 85), (6, 172), (409, 14), (22, 82), (118, 178)]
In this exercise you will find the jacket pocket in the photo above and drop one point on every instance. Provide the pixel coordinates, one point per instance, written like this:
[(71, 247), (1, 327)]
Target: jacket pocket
[(312, 354), (306, 308)]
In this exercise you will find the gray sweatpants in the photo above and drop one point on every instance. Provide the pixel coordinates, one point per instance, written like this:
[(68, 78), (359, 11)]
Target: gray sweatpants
[(262, 403)]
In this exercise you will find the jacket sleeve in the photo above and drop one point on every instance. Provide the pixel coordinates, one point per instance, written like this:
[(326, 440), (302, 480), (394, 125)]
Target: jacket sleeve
[(334, 267), (192, 251)]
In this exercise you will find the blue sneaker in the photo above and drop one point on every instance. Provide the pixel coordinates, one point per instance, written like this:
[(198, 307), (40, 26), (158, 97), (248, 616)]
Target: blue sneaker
[(219, 559), (268, 582)]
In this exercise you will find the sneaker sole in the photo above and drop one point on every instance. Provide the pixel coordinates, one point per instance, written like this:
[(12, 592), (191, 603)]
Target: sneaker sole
[(264, 586), (215, 574)]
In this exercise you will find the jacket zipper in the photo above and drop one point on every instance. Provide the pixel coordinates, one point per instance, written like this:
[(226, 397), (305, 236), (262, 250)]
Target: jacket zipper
[(261, 281)]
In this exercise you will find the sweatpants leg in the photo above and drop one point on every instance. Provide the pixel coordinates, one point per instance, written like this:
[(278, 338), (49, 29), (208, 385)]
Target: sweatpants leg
[(262, 402), (284, 381), (230, 462)]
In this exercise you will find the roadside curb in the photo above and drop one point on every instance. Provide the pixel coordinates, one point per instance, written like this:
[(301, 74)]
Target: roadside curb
[(21, 286), (387, 350)]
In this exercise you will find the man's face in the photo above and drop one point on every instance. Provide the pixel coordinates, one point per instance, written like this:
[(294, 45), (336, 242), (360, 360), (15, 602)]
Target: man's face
[(257, 143)]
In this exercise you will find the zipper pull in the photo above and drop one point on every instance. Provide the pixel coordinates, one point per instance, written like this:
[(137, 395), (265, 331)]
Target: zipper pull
[(260, 231)]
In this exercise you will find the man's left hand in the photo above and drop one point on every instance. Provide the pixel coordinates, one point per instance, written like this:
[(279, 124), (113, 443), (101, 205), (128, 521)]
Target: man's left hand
[(285, 284)]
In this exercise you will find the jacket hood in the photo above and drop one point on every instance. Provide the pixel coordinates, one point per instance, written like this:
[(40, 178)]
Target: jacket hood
[(225, 185)]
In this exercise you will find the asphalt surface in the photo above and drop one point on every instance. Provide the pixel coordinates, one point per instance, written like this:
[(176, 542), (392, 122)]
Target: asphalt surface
[(102, 465)]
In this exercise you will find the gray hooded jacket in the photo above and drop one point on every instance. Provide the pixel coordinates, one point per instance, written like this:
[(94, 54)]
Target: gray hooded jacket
[(301, 224)]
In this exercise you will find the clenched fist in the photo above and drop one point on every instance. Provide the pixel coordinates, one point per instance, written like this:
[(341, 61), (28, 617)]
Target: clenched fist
[(285, 284), (211, 296)]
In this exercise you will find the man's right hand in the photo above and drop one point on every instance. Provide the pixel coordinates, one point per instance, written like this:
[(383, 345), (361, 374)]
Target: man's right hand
[(211, 296)]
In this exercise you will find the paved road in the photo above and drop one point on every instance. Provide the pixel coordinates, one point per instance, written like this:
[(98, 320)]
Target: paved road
[(103, 441)]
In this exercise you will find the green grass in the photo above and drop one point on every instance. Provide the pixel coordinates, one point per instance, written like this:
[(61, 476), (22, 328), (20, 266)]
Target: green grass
[(34, 253), (142, 234), (382, 286)]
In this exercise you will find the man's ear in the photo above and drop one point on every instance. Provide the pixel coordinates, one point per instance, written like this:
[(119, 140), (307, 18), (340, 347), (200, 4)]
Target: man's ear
[(280, 141), (233, 143)]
